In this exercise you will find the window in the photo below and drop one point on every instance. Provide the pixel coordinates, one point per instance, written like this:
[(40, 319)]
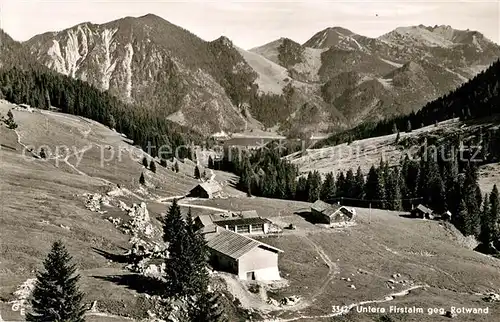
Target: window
[(257, 228), (243, 229)]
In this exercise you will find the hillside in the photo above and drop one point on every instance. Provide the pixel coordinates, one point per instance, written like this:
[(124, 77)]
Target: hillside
[(91, 174)]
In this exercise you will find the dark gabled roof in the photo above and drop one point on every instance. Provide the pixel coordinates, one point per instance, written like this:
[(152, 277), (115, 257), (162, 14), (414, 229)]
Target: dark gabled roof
[(325, 208), (209, 187), (242, 221), (235, 245)]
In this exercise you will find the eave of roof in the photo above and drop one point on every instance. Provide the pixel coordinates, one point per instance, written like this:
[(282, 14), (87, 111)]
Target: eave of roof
[(236, 245)]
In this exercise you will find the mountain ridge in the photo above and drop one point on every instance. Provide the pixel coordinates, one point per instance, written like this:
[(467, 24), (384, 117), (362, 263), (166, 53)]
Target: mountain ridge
[(212, 86)]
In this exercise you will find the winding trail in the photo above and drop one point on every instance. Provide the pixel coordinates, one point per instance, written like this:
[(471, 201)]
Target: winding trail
[(333, 268)]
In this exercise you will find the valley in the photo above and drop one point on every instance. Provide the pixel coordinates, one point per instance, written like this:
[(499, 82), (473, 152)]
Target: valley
[(43, 199)]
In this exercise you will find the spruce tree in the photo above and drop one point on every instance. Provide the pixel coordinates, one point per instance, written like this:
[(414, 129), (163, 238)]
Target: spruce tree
[(359, 184), (145, 162), (328, 187), (301, 192), (207, 308), (494, 213), (341, 185), (197, 174), (487, 226), (163, 162), (349, 184), (56, 296), (313, 186), (152, 166), (173, 223), (210, 162), (393, 190), (142, 180), (371, 184), (176, 167), (186, 272)]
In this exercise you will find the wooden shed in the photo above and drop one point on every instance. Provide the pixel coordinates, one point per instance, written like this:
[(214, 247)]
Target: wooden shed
[(206, 190)]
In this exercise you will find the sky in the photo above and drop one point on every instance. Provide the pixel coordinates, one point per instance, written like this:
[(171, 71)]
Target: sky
[(254, 23)]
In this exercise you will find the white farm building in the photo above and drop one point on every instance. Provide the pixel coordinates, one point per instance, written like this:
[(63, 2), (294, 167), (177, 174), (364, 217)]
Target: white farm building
[(248, 258)]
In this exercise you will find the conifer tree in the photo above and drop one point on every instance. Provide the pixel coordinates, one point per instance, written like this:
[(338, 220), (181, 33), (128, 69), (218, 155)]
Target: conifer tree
[(176, 167), (494, 213), (301, 192), (393, 190), (142, 180), (163, 162), (372, 184), (466, 221), (341, 185), (359, 184), (210, 162), (186, 272), (487, 226), (328, 187), (349, 184), (56, 296), (207, 308), (173, 223), (152, 166), (313, 186), (145, 162), (197, 174)]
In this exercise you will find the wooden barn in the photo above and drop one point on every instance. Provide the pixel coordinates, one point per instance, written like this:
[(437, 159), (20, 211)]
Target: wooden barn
[(423, 212), (326, 213), (206, 190), (249, 259)]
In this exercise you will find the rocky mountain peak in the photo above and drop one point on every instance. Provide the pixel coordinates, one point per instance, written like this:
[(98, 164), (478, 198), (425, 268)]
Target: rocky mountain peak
[(224, 41), (330, 37)]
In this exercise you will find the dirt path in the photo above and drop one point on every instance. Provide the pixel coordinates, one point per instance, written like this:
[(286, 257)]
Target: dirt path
[(350, 307), (333, 268)]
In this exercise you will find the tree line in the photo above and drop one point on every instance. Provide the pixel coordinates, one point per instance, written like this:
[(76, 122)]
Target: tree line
[(57, 296), (42, 88)]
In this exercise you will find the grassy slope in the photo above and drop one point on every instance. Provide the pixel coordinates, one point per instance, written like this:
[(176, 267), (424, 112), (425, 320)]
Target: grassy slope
[(365, 153), (32, 191)]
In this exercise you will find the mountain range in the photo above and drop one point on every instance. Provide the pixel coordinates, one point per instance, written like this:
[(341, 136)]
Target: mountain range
[(335, 80)]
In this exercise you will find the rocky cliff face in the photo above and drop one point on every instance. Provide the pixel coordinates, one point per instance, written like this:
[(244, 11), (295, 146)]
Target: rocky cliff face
[(145, 61)]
